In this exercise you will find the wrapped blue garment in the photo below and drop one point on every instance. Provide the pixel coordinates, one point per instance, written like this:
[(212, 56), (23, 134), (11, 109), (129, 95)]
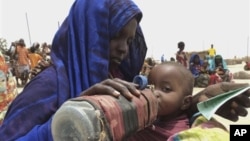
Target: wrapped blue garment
[(213, 65), (80, 51), (192, 67)]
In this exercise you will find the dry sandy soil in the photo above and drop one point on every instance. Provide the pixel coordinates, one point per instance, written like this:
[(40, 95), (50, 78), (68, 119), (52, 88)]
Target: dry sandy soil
[(242, 120)]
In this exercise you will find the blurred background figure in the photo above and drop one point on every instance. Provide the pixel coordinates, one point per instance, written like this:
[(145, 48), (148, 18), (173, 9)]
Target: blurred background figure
[(23, 65), (212, 51), (181, 56)]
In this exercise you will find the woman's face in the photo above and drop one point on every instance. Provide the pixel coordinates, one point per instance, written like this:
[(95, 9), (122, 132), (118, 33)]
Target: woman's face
[(196, 59), (218, 60), (119, 45)]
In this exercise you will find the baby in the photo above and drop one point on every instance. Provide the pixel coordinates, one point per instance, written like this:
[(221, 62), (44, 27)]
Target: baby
[(173, 87)]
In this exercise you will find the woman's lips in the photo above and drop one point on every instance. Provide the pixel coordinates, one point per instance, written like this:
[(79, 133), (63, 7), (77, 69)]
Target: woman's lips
[(116, 60)]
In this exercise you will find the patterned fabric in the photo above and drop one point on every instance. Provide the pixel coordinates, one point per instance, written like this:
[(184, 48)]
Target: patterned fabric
[(201, 130), (180, 130), (203, 80), (121, 117), (8, 88), (42, 65), (80, 49)]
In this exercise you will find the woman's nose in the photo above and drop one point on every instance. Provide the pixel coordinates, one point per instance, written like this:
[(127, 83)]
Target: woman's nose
[(123, 48)]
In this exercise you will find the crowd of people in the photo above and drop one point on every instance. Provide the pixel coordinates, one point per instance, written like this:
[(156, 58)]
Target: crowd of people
[(22, 60), (209, 70), (99, 49), (18, 64)]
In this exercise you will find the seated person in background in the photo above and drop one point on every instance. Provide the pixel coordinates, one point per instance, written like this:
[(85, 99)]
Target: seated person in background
[(147, 66), (205, 67), (172, 59), (199, 70), (219, 67), (174, 95), (247, 66), (219, 71)]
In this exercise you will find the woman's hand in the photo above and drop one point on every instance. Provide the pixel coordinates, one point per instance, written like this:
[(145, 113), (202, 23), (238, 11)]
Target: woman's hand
[(232, 109), (114, 87)]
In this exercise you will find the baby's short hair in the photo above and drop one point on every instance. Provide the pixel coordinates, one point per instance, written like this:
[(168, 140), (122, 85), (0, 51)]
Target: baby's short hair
[(187, 76)]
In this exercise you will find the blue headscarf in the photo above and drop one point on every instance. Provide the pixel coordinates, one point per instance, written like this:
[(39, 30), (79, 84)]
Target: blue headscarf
[(80, 56), (213, 66), (192, 65), (80, 49)]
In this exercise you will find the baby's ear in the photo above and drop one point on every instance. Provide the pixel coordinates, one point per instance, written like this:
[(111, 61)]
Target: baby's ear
[(186, 103)]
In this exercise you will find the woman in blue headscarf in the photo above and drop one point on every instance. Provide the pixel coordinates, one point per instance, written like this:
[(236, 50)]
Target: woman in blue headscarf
[(199, 71), (98, 40), (219, 67)]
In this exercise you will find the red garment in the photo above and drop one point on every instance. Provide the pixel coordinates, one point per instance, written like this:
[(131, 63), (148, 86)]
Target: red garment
[(161, 131), (247, 66), (182, 58), (116, 73), (214, 79), (23, 58)]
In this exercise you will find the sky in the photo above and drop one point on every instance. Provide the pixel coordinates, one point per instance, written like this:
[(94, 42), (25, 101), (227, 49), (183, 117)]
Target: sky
[(198, 23)]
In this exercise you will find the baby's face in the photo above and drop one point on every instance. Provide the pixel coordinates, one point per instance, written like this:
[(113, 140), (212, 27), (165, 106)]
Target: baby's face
[(168, 83)]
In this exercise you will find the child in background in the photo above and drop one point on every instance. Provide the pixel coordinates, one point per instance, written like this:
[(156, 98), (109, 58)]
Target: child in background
[(173, 87), (181, 56)]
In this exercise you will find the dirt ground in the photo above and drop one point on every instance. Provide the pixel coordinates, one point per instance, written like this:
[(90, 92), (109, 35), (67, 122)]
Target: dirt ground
[(242, 120)]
